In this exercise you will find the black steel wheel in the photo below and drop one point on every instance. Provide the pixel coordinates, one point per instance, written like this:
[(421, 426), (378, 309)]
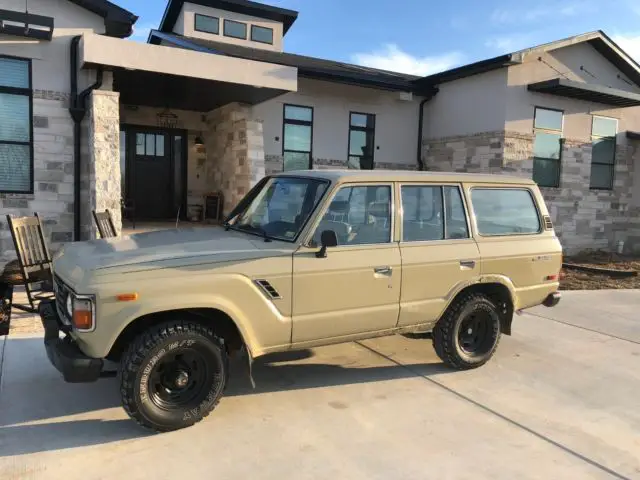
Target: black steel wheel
[(173, 375), (468, 333)]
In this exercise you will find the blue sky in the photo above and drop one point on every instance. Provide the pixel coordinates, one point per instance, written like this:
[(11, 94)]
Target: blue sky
[(426, 36)]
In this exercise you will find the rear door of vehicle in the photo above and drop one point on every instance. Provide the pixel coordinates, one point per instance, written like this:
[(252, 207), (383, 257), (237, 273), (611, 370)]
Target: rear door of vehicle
[(438, 253), (515, 238)]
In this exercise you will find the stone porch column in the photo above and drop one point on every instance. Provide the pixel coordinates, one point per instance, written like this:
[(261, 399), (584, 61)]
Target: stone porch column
[(101, 164), (235, 152)]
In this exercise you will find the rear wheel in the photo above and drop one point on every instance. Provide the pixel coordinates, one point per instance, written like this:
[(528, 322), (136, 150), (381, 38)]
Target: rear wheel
[(173, 375), (468, 333)]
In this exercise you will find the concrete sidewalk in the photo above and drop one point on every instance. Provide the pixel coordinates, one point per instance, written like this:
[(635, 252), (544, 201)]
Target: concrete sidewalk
[(559, 400)]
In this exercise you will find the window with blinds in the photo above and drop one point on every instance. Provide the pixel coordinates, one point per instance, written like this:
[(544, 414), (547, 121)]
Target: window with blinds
[(16, 138)]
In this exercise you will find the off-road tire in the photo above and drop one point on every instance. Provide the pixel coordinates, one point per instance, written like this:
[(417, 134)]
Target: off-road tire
[(146, 350), (445, 333)]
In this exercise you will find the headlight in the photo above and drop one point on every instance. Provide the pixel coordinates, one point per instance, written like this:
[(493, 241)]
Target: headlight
[(81, 311)]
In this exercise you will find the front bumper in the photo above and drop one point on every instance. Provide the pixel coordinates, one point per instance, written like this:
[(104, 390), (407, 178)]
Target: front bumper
[(64, 353), (552, 299)]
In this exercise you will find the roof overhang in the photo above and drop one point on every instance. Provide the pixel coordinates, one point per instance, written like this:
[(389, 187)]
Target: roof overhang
[(587, 92), (118, 22), (633, 135), (245, 7), (156, 75)]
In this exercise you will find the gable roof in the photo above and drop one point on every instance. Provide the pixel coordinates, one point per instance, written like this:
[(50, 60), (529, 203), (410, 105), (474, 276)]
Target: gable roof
[(118, 21), (309, 67), (246, 7), (597, 39)]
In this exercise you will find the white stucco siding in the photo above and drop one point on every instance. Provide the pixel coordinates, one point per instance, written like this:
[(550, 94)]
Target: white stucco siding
[(577, 113), (51, 59), (467, 106), (396, 134), (185, 25)]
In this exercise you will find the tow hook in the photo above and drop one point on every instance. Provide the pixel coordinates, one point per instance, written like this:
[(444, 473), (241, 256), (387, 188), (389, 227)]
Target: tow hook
[(552, 299)]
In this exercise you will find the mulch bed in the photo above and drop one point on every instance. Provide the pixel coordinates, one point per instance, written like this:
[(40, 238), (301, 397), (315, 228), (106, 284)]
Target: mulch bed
[(578, 280)]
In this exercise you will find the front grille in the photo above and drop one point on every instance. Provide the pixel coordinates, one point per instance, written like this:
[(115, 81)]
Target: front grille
[(62, 293)]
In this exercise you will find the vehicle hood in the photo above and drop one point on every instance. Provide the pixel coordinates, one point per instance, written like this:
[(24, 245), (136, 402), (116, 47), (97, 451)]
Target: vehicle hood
[(161, 249)]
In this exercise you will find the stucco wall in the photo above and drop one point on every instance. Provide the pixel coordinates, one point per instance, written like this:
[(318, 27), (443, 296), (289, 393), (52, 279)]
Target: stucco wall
[(396, 134), (467, 106), (185, 25), (53, 127)]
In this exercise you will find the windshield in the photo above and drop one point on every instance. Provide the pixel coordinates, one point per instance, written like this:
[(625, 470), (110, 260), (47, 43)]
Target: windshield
[(279, 207)]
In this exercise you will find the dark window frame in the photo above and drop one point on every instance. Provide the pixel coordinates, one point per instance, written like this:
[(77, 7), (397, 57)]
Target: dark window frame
[(261, 41), (612, 165), (195, 23), (517, 234), (228, 21), (362, 129), (561, 146), (27, 92), (307, 123)]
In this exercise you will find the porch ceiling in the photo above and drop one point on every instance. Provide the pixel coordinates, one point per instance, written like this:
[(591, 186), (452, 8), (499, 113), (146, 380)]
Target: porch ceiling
[(172, 91)]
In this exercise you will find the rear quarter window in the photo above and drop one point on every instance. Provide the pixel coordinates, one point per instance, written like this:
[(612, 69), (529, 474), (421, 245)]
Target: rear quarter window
[(505, 211)]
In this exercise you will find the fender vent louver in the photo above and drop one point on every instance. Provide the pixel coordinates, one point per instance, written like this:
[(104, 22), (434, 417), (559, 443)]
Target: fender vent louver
[(548, 224), (268, 289)]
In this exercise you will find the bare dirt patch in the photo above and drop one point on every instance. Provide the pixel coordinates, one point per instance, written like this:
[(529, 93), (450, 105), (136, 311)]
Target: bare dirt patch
[(578, 280)]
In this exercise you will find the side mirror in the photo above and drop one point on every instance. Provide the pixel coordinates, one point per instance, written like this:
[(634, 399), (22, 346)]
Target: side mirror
[(328, 238)]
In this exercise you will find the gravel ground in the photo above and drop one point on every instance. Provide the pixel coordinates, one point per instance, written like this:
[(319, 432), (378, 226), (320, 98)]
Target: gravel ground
[(577, 280)]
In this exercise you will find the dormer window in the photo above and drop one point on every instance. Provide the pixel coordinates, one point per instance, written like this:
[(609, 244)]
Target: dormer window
[(235, 29), (261, 34), (207, 24)]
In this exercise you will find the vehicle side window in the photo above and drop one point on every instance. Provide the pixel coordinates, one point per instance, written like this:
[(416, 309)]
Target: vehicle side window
[(359, 216), (456, 220), (505, 211), (422, 213)]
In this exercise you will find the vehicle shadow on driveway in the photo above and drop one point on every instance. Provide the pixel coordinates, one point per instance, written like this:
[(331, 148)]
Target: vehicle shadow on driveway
[(32, 391)]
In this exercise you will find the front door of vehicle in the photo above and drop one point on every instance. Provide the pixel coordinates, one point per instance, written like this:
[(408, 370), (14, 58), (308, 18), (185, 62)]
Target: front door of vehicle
[(438, 253), (355, 289)]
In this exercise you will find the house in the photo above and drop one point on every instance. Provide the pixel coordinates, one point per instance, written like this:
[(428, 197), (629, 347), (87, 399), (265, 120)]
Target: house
[(211, 103)]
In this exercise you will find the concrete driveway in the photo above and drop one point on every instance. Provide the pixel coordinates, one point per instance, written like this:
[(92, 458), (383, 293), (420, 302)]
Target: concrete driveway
[(561, 399)]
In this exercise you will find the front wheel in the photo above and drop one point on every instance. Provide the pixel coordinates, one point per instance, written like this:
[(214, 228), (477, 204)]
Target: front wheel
[(173, 375), (468, 333)]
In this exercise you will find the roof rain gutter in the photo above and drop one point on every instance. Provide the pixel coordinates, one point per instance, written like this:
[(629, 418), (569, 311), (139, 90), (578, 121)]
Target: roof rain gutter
[(429, 96)]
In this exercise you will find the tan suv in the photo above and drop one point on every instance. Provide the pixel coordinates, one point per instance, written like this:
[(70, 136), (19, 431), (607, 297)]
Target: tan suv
[(306, 259)]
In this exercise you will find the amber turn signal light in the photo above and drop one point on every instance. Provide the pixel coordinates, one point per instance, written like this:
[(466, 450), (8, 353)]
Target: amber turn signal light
[(82, 319), (127, 297)]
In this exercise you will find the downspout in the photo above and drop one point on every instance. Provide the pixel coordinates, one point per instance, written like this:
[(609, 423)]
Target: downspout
[(78, 110), (431, 94)]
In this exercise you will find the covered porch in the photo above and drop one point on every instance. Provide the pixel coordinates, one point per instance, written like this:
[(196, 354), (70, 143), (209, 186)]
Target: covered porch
[(174, 132)]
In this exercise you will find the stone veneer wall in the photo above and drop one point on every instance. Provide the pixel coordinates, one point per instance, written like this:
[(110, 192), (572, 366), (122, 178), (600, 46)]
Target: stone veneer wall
[(235, 153), (583, 218), (100, 180), (52, 197), (274, 164)]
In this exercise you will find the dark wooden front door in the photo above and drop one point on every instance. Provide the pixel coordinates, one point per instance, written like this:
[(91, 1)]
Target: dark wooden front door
[(155, 172)]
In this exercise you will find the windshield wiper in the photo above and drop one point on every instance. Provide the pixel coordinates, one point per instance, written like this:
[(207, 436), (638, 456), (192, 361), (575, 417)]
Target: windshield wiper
[(255, 228)]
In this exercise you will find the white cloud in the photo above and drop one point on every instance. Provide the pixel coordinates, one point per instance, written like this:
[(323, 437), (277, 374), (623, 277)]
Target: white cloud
[(630, 43), (392, 58), (141, 32)]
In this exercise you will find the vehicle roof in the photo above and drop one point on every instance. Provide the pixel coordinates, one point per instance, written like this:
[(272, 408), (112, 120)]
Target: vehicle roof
[(342, 176)]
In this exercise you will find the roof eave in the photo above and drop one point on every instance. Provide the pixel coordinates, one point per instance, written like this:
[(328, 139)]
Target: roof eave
[(469, 70)]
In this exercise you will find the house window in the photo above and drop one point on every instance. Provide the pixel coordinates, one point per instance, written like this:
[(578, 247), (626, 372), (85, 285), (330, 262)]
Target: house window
[(16, 139), (262, 34), (150, 145), (297, 137), (362, 132), (603, 152), (547, 147), (235, 29), (207, 24)]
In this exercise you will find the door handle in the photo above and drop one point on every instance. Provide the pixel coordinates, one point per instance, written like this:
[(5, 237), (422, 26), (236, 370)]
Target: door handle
[(383, 271), (467, 264)]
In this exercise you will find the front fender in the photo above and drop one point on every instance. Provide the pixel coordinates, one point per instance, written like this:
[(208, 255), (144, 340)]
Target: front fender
[(261, 325)]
